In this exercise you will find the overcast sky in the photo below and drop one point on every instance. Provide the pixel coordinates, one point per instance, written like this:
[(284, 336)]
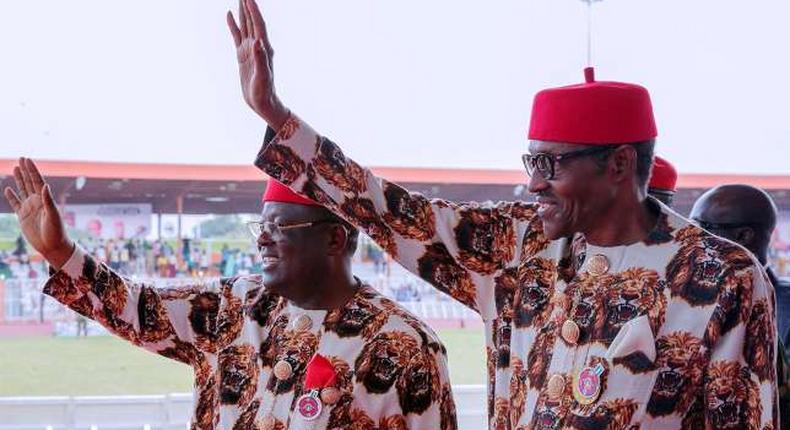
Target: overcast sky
[(399, 83)]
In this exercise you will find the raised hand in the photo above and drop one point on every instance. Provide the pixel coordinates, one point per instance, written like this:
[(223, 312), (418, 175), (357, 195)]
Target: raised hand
[(254, 54), (38, 216)]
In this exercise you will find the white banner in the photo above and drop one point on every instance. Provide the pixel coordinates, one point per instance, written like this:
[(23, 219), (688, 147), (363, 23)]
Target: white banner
[(111, 221)]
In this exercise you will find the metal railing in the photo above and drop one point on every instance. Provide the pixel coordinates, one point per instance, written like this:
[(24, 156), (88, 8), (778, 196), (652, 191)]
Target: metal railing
[(160, 412)]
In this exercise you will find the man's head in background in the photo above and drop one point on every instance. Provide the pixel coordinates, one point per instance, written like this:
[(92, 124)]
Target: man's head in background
[(663, 181), (741, 213)]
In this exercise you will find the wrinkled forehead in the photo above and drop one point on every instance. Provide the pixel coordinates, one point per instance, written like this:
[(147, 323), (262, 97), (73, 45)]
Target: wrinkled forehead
[(549, 147)]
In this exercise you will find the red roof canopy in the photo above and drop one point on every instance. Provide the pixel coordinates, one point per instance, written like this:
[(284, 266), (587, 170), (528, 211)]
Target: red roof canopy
[(222, 189), (225, 172)]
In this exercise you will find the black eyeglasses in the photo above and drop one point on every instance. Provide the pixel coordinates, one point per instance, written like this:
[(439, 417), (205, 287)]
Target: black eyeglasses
[(545, 163), (276, 231), (711, 226)]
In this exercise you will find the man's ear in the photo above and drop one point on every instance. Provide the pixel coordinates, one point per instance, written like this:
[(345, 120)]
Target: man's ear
[(622, 163), (745, 236), (338, 240)]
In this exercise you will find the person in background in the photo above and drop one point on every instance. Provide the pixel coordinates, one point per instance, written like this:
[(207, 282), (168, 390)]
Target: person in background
[(225, 255), (205, 262), (21, 248), (663, 180), (747, 215), (82, 324)]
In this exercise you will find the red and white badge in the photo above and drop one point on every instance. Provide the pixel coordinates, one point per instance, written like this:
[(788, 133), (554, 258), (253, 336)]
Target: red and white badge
[(309, 405), (320, 374), (587, 384)]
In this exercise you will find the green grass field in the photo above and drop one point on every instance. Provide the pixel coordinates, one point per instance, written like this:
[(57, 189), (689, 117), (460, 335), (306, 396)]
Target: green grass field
[(108, 366)]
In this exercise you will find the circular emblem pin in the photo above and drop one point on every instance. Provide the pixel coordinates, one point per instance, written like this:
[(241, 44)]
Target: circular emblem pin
[(570, 331), (309, 405), (598, 265), (587, 386)]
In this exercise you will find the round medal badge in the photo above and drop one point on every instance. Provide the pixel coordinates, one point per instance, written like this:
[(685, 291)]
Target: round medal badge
[(309, 406), (587, 387)]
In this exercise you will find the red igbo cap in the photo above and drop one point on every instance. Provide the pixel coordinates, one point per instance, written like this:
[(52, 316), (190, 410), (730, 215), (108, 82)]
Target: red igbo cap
[(664, 175), (276, 191), (593, 113)]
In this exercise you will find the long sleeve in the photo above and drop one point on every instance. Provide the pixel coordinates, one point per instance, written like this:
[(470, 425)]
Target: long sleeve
[(740, 381), (183, 322), (458, 248)]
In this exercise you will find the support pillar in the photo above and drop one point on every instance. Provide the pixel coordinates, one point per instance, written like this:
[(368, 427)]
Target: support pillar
[(2, 302), (180, 211), (179, 245)]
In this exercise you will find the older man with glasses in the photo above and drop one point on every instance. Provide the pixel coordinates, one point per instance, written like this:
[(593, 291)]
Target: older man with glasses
[(603, 309), (306, 345)]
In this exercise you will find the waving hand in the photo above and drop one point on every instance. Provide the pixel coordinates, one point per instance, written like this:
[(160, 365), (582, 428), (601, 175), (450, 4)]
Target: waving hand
[(254, 54), (38, 216)]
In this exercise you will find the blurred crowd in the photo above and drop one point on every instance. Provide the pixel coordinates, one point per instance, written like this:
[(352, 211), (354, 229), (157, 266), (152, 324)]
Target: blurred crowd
[(144, 259), (780, 260), (17, 263), (163, 260)]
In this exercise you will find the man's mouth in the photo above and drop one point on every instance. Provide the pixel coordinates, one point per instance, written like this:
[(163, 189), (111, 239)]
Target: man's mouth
[(270, 261), (545, 207)]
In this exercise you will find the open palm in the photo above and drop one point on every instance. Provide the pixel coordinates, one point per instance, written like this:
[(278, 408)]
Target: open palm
[(38, 216), (256, 81), (254, 55)]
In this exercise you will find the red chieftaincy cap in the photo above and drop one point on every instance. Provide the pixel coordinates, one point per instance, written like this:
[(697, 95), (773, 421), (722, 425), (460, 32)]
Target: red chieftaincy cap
[(664, 175), (276, 191), (593, 113)]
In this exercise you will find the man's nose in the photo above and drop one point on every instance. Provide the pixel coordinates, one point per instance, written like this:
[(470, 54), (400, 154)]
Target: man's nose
[(537, 183), (265, 238)]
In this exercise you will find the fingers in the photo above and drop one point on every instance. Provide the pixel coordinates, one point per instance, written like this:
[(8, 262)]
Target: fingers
[(258, 29), (48, 200), (248, 19), (26, 178), (13, 199), (243, 20), (36, 179), (259, 25), (20, 182), (234, 30)]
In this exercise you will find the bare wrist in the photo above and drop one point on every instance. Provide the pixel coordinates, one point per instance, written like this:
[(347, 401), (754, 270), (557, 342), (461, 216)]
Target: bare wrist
[(276, 117), (57, 258)]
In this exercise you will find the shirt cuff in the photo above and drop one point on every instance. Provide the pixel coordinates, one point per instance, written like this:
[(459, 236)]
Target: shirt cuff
[(75, 263), (285, 155)]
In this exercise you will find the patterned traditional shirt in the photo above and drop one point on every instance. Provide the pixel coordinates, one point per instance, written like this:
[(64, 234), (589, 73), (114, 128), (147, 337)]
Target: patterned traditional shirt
[(679, 327), (391, 369)]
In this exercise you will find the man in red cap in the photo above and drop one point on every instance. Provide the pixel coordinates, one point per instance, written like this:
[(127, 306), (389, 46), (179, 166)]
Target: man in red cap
[(305, 345), (663, 178), (603, 309)]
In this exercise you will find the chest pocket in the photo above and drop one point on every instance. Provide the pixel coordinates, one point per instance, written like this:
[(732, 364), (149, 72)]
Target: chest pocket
[(628, 379)]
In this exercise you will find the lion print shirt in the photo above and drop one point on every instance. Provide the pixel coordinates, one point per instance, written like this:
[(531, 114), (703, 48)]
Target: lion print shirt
[(682, 324), (391, 369)]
